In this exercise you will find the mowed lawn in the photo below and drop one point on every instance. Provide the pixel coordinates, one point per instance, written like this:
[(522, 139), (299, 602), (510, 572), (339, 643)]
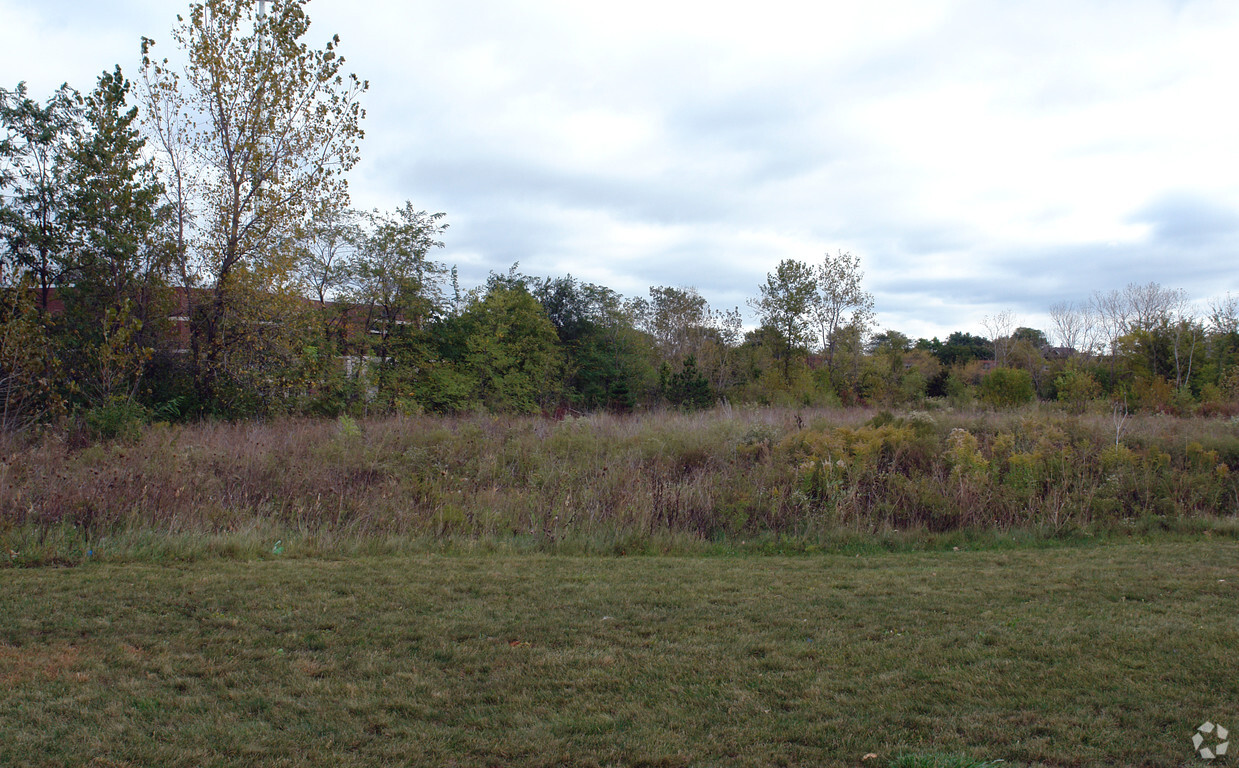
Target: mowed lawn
[(1098, 655)]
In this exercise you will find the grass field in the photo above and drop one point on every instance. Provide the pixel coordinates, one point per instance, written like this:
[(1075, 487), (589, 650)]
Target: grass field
[(1080, 655)]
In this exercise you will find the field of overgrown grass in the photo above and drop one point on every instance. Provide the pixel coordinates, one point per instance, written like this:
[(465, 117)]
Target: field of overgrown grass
[(781, 479), (1098, 655), (405, 591)]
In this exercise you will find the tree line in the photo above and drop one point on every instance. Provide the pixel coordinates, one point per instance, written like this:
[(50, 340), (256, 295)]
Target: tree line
[(183, 245)]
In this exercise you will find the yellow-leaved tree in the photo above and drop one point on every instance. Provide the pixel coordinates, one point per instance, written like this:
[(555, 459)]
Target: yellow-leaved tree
[(256, 131)]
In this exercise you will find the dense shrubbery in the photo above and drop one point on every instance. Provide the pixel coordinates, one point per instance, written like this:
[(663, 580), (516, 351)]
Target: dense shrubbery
[(713, 475)]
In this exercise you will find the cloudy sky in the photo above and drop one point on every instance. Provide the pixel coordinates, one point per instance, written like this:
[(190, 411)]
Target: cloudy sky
[(977, 156)]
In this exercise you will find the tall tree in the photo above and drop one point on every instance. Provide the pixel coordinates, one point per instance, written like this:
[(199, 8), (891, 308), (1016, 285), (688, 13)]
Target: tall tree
[(1112, 314), (36, 142), (1073, 325), (29, 369), (1000, 327), (960, 348), (606, 357), (397, 287), (512, 350), (1224, 335), (326, 264), (120, 264), (273, 126), (786, 303), (681, 323), (840, 301), (676, 318)]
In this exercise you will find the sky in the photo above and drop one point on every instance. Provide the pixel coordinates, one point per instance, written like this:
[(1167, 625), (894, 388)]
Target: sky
[(978, 157)]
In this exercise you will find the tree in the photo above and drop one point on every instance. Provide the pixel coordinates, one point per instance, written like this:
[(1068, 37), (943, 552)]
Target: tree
[(394, 278), (1111, 312), (28, 365), (1034, 337), (1224, 335), (1151, 305), (1026, 351), (119, 268), (512, 351), (606, 357), (1187, 334), (397, 288), (272, 125), (1073, 325), (786, 303), (961, 348), (887, 351), (1076, 389), (686, 388), (1154, 323), (999, 328), (329, 246), (677, 319), (681, 323), (36, 142), (840, 301)]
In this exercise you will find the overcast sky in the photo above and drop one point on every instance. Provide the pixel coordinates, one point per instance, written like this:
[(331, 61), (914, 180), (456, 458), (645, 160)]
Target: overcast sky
[(977, 156)]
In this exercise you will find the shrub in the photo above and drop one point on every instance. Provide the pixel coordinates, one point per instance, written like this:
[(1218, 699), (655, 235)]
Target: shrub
[(964, 455), (1007, 388), (117, 419), (1076, 389)]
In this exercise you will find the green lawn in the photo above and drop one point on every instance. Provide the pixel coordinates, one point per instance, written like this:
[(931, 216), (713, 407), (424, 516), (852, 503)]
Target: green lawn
[(1098, 655)]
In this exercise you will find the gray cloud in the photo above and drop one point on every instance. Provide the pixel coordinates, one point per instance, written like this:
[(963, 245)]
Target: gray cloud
[(976, 156), (1185, 220)]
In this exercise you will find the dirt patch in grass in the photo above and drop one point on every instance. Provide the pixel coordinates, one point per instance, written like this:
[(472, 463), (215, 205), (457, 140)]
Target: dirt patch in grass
[(34, 662)]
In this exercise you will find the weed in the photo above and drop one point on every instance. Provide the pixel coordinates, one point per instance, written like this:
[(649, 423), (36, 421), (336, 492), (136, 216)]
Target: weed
[(583, 483)]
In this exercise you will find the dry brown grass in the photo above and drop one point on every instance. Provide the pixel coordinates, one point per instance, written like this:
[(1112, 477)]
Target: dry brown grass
[(708, 475)]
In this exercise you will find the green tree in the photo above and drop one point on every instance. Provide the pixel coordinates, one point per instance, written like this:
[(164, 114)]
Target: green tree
[(512, 351), (1031, 336), (677, 319), (326, 269), (36, 143), (686, 388), (840, 302), (397, 289), (29, 369), (273, 126), (1025, 349), (887, 351), (607, 359), (786, 303), (1223, 339), (960, 348), (117, 294), (681, 323), (1076, 389)]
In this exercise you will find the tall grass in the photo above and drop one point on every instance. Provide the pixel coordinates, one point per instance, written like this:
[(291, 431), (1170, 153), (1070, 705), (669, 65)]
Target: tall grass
[(722, 475)]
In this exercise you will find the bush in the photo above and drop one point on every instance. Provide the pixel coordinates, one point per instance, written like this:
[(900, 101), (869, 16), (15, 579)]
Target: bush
[(1007, 388), (957, 392), (1076, 389), (117, 419)]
